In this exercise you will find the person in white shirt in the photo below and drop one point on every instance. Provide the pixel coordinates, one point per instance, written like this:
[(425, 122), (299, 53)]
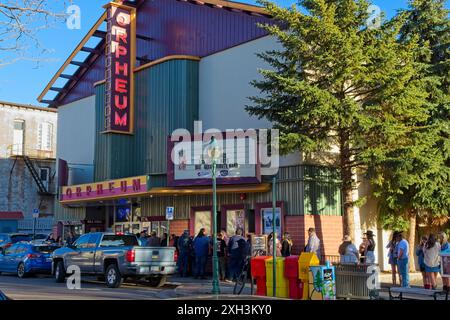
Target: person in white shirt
[(403, 260), (432, 261)]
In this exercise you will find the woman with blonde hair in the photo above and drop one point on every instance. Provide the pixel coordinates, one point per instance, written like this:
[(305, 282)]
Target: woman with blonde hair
[(431, 253)]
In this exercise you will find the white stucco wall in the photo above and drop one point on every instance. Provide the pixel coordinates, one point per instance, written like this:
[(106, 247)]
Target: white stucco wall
[(225, 88), (76, 138)]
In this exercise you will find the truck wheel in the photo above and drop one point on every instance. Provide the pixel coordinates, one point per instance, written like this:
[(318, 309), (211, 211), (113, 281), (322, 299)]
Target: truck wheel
[(157, 281), (113, 277), (60, 273), (21, 271)]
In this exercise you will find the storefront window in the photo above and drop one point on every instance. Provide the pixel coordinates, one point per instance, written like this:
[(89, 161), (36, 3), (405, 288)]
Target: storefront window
[(160, 227), (202, 220), (235, 220)]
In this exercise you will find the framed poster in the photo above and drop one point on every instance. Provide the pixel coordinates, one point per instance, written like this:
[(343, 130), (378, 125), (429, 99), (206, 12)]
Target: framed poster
[(259, 243), (267, 217), (445, 265), (235, 220)]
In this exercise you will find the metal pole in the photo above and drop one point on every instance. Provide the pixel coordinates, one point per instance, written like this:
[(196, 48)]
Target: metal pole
[(216, 288), (34, 229), (274, 238)]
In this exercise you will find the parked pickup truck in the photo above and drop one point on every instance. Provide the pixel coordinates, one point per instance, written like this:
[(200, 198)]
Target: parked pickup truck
[(113, 257)]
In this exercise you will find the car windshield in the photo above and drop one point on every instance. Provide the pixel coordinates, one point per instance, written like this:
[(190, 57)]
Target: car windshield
[(20, 237), (119, 241), (40, 237), (45, 249)]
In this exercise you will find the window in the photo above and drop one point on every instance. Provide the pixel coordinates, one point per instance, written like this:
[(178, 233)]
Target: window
[(83, 241), (118, 241), (18, 137), (44, 175), (45, 136)]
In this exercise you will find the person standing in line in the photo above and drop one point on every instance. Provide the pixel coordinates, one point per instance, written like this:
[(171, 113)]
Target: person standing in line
[(277, 245), (403, 260), (432, 261), (369, 252), (184, 248), (221, 249), (286, 245), (392, 255), (226, 238), (348, 252), (237, 251), (201, 250), (445, 247), (153, 241), (420, 258), (164, 240), (313, 243)]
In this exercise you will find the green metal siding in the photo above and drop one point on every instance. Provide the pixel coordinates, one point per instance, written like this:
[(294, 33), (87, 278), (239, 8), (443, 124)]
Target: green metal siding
[(166, 98), (304, 190)]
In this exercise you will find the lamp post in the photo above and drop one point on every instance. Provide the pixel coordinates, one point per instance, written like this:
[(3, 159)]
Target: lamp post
[(214, 155)]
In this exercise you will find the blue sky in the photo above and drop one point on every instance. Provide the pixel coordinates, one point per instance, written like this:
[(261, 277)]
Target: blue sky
[(23, 81)]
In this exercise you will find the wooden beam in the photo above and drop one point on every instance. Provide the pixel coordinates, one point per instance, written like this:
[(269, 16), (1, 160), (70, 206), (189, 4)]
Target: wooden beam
[(56, 89), (74, 53), (80, 64), (99, 34), (67, 76), (91, 50)]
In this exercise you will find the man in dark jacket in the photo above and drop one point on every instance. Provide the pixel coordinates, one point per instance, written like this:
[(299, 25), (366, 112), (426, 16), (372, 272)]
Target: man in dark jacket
[(184, 248), (237, 249)]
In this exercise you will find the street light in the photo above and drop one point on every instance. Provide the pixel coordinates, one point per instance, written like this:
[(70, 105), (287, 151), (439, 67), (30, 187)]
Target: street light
[(214, 153)]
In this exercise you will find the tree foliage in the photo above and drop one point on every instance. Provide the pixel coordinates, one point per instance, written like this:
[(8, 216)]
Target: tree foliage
[(338, 82)]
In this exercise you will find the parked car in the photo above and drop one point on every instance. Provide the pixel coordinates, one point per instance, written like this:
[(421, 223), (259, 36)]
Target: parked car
[(24, 258), (114, 257), (8, 239), (3, 297)]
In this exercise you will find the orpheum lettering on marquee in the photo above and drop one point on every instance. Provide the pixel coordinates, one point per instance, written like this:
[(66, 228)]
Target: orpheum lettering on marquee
[(105, 189), (120, 61)]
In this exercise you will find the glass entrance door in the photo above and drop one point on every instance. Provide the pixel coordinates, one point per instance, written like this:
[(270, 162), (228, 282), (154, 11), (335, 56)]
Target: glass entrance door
[(236, 219), (202, 220)]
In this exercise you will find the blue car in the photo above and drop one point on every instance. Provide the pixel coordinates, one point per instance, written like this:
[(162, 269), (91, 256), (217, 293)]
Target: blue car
[(24, 259)]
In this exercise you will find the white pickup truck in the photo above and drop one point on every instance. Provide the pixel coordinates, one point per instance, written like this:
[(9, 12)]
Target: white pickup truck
[(113, 257)]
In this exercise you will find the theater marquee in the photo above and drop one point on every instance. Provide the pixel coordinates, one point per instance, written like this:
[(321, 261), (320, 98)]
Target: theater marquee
[(120, 62)]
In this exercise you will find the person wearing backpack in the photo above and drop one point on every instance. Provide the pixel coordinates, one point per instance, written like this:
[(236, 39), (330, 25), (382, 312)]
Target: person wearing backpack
[(237, 249)]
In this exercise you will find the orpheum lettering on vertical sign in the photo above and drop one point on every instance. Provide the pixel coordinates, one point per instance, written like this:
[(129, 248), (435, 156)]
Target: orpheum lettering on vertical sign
[(120, 61)]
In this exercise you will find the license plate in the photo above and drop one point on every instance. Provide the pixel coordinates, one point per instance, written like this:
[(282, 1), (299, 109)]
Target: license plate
[(144, 270), (155, 257), (155, 268)]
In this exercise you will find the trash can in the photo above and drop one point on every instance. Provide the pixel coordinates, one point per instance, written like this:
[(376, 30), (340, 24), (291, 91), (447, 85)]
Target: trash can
[(258, 269), (291, 272), (306, 260), (282, 283)]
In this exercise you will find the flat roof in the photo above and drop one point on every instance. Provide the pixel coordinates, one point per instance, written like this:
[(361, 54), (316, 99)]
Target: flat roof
[(26, 106)]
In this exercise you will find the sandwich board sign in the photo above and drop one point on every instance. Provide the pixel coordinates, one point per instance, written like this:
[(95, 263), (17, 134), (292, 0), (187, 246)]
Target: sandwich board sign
[(169, 213)]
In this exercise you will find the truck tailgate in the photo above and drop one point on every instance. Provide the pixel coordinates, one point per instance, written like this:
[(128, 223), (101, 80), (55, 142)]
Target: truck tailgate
[(155, 255)]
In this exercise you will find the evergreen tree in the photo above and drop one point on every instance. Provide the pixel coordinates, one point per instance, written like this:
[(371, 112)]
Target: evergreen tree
[(338, 82), (413, 180)]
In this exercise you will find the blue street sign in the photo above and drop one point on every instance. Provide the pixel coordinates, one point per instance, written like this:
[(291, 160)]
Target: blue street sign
[(169, 213)]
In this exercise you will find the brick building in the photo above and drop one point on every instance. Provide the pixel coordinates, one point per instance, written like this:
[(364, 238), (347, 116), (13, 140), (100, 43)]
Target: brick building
[(27, 166)]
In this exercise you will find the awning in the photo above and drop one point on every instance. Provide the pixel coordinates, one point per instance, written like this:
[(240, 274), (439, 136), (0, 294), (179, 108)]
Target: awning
[(180, 191), (11, 215)]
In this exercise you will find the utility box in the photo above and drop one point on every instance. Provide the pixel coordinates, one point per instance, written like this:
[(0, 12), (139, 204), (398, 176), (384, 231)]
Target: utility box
[(282, 283), (258, 270), (323, 282), (306, 260), (291, 273)]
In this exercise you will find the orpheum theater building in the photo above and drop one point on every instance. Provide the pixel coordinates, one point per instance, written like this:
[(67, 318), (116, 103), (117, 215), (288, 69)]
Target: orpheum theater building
[(146, 69)]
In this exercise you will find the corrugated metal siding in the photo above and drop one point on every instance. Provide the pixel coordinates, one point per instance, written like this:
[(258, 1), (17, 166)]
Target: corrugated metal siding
[(69, 214), (179, 28), (166, 99), (297, 191)]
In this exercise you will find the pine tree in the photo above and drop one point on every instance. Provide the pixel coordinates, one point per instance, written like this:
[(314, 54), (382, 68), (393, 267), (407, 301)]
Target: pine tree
[(413, 180), (335, 82)]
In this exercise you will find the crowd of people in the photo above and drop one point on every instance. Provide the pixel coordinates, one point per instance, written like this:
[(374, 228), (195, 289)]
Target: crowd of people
[(428, 254)]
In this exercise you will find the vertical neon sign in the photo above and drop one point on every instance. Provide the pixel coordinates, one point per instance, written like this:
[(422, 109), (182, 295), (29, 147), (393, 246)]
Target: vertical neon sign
[(120, 62)]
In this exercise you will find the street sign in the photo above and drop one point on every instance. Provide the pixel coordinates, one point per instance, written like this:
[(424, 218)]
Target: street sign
[(169, 213), (35, 213)]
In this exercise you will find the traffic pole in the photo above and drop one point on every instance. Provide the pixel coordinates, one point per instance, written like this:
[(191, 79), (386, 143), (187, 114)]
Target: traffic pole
[(274, 238)]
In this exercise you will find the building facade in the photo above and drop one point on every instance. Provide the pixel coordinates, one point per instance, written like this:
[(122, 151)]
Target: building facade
[(27, 167), (189, 61)]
